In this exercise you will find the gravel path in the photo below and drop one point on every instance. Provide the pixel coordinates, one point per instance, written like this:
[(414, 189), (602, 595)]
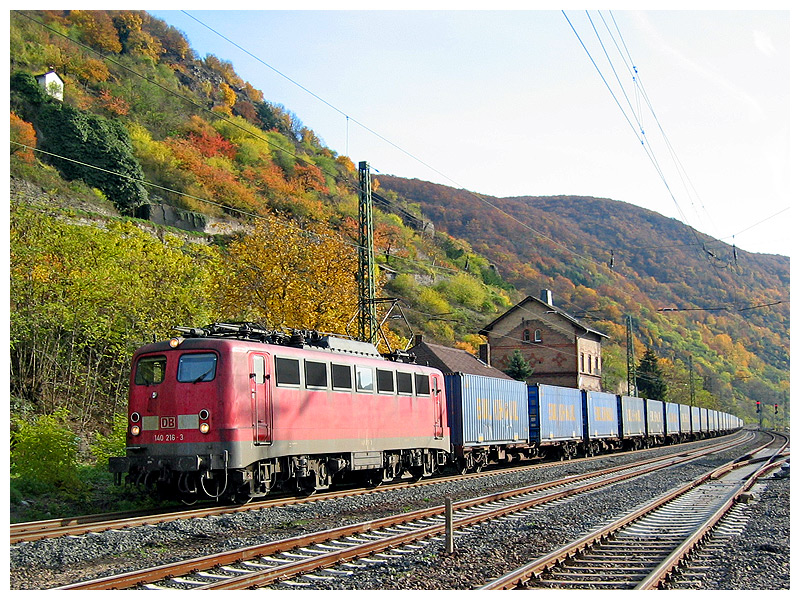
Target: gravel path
[(482, 553)]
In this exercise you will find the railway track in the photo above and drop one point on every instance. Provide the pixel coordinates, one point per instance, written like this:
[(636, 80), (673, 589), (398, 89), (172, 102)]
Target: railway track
[(80, 525), (344, 548), (647, 547)]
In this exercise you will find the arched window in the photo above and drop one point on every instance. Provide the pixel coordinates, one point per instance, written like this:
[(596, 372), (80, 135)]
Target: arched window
[(537, 335), (526, 335)]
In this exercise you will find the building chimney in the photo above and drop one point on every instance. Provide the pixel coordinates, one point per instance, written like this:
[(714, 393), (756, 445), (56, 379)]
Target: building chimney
[(547, 297), (484, 354), (417, 339)]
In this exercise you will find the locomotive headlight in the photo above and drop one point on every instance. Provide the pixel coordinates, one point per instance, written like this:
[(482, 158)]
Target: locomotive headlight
[(204, 428), (175, 342), (135, 430)]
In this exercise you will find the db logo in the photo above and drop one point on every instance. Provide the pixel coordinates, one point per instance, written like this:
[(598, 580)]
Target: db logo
[(168, 423)]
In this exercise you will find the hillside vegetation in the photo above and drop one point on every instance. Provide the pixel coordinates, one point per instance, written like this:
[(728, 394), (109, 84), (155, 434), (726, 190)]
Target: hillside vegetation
[(146, 122), (606, 259)]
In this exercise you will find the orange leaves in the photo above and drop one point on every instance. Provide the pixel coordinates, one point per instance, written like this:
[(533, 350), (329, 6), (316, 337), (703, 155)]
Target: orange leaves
[(113, 104), (213, 180), (212, 144), (309, 177), (23, 133)]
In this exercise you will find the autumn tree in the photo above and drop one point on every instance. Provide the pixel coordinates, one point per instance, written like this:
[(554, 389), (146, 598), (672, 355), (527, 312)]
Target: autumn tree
[(96, 29), (25, 137), (286, 277)]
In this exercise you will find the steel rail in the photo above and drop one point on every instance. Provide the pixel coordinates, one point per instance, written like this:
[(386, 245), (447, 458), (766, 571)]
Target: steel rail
[(185, 567), (519, 577), (679, 556), (37, 530)]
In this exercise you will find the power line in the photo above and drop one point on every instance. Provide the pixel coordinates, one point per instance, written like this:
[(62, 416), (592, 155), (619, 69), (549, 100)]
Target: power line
[(389, 203), (640, 132)]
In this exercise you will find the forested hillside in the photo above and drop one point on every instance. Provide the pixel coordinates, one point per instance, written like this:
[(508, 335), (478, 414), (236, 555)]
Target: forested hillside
[(687, 294), (145, 123)]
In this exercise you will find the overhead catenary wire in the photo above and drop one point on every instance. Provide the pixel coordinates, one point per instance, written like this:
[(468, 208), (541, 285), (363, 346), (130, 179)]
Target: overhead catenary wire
[(393, 206)]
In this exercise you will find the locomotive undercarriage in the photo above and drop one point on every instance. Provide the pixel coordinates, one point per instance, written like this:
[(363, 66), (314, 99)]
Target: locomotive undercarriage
[(176, 479)]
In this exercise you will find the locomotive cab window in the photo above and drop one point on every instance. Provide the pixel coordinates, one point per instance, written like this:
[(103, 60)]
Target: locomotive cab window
[(423, 384), (194, 368), (385, 381), (365, 379), (287, 371), (316, 374), (150, 370), (404, 383), (341, 377)]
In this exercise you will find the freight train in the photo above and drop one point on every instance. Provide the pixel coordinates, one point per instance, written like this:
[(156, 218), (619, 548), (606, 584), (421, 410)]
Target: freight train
[(235, 411)]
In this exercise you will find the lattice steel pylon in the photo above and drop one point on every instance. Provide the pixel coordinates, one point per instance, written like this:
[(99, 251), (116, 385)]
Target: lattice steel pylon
[(631, 359), (367, 314)]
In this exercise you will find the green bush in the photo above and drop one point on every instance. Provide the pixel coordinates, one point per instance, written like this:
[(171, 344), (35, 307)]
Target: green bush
[(113, 444), (45, 450), (464, 290)]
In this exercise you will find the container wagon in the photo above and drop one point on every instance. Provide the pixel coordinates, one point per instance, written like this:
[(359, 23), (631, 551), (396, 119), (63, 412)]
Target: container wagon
[(672, 422), (601, 422), (556, 419), (488, 419), (697, 428), (686, 422), (632, 421), (704, 430), (655, 426)]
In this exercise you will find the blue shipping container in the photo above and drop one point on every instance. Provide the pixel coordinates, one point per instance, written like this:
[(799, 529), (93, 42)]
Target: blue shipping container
[(600, 415), (672, 418), (686, 419), (486, 410), (655, 417), (695, 419), (631, 414), (556, 413)]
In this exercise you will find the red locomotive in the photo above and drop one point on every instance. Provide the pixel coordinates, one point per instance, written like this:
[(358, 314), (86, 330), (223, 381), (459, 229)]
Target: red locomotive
[(233, 411)]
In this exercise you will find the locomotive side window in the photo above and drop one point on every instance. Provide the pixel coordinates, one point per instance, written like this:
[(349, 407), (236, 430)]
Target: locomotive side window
[(150, 370), (193, 368), (423, 384), (404, 383), (287, 371), (365, 379), (385, 381), (316, 374), (341, 377)]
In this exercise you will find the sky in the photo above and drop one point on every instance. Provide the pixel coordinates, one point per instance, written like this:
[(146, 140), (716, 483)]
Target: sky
[(684, 112)]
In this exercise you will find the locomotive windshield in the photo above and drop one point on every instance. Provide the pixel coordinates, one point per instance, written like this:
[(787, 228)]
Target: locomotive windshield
[(193, 368), (150, 370)]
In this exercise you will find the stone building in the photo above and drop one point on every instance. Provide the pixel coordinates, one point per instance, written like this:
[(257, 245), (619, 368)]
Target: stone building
[(560, 349)]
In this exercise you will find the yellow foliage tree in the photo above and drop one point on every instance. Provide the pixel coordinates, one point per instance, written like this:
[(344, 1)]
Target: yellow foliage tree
[(286, 277)]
